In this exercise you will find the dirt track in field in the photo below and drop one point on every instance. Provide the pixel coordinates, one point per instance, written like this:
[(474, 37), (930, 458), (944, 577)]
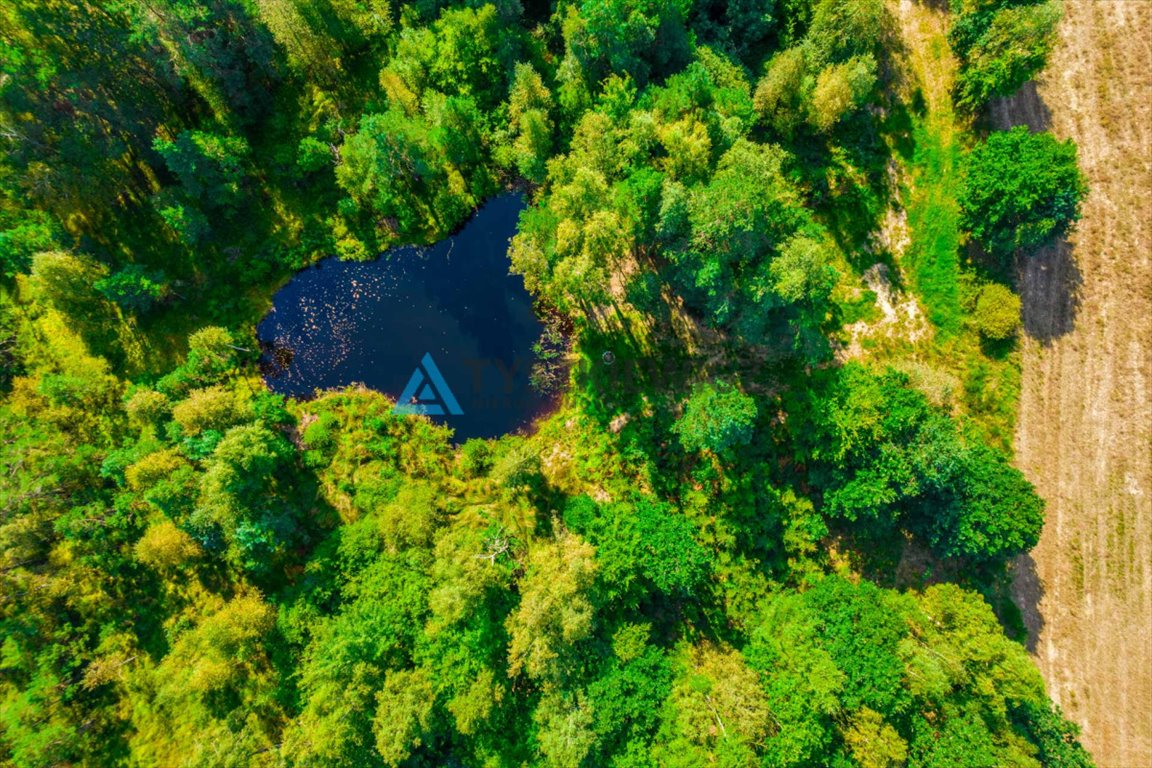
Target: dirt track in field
[(1084, 434)]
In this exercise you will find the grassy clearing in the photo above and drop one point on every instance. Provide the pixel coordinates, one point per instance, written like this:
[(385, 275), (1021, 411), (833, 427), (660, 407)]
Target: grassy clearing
[(979, 382), (934, 223), (932, 168)]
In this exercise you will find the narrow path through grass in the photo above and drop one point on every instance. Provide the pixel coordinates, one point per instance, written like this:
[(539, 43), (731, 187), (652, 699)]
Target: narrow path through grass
[(933, 217)]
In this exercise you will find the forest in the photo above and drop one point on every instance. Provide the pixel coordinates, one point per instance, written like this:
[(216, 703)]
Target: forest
[(768, 534)]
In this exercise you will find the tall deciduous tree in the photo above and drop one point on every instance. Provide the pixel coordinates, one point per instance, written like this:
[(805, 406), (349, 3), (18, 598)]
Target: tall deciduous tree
[(717, 417), (1021, 190), (1001, 44), (555, 610)]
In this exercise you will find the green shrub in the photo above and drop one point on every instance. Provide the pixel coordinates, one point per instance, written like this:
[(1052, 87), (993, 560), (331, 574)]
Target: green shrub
[(997, 312)]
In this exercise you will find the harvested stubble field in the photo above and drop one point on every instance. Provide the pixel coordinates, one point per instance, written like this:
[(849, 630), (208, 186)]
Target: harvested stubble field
[(1084, 434)]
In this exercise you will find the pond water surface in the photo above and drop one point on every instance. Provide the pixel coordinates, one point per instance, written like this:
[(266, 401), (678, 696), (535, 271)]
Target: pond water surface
[(443, 329)]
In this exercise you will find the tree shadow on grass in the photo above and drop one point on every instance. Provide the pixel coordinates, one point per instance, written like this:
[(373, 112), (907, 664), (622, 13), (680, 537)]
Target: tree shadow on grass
[(1049, 283), (997, 349), (1048, 279), (1025, 107), (1027, 590)]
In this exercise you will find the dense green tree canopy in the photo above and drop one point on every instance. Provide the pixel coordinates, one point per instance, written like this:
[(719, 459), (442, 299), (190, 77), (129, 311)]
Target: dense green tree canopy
[(1021, 190), (681, 564), (717, 417), (1001, 44)]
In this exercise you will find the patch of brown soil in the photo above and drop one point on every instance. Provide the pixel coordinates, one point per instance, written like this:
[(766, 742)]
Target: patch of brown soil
[(1084, 433)]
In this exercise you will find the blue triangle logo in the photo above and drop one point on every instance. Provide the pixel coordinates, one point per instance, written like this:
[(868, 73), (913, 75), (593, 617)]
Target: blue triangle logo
[(434, 398)]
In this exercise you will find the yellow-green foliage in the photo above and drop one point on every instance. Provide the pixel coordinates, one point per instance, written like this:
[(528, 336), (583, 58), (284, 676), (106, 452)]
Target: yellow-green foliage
[(211, 408), (411, 519), (997, 312), (873, 742), (164, 545), (839, 89), (146, 408), (719, 706), (222, 648), (154, 468), (360, 447), (554, 610)]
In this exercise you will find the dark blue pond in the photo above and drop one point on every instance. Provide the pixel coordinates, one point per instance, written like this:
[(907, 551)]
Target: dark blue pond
[(443, 329)]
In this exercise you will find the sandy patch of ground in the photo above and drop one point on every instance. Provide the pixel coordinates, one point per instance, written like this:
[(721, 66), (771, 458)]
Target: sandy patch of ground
[(900, 317), (1084, 434)]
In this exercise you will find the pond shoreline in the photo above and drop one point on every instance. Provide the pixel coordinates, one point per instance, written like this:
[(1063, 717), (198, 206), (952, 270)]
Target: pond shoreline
[(443, 329)]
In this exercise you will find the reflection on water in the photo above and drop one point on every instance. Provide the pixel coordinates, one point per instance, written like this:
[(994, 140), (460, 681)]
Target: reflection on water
[(339, 323)]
